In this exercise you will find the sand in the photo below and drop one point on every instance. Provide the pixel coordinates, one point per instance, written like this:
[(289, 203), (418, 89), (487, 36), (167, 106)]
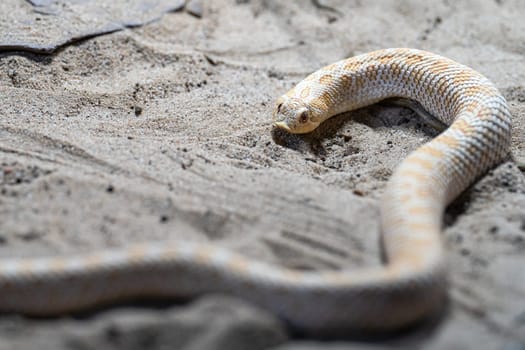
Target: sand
[(163, 131)]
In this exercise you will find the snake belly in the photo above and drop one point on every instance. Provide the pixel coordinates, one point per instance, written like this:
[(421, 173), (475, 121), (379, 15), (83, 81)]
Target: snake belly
[(409, 286)]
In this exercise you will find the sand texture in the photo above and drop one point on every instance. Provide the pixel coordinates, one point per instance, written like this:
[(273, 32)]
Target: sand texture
[(163, 131)]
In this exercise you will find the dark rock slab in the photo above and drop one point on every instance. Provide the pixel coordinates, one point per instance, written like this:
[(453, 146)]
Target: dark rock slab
[(44, 25)]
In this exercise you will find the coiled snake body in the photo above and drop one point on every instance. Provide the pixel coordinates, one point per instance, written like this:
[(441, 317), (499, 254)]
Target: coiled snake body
[(409, 286)]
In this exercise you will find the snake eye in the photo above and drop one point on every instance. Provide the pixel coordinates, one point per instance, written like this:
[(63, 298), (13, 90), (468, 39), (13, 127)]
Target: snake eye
[(303, 118), (279, 107)]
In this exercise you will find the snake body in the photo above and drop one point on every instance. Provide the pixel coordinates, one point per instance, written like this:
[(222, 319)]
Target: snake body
[(411, 283)]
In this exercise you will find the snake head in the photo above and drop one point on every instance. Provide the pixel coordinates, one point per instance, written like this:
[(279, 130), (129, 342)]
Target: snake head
[(293, 115)]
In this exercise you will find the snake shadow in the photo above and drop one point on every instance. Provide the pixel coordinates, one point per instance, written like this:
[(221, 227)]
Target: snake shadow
[(384, 114), (411, 336), (379, 115)]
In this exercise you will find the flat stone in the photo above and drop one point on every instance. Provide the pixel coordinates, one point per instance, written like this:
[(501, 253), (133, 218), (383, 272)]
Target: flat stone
[(194, 7), (45, 25)]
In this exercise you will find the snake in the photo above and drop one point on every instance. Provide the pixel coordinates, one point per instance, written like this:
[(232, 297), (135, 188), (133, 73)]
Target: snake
[(410, 284)]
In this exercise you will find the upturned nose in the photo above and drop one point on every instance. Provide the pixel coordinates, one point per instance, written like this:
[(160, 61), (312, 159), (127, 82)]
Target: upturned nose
[(282, 125)]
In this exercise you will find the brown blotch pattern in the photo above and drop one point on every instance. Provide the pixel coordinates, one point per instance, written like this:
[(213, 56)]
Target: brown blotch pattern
[(425, 192), (322, 102), (238, 264), (414, 174), (447, 140), (305, 92), (326, 79), (385, 59), (350, 65), (424, 163), (461, 77), (463, 126), (421, 226), (57, 264), (413, 59), (136, 253), (204, 254), (93, 260), (421, 211), (434, 152)]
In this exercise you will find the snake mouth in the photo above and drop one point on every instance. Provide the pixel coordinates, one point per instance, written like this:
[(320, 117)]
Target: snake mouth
[(282, 125)]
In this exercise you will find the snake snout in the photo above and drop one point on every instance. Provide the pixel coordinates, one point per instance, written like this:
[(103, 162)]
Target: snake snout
[(280, 114), (283, 126)]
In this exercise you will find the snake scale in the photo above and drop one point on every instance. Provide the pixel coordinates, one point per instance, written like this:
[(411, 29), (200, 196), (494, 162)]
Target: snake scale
[(412, 282)]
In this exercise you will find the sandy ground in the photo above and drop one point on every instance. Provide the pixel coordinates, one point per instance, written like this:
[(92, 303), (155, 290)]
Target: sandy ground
[(163, 132)]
